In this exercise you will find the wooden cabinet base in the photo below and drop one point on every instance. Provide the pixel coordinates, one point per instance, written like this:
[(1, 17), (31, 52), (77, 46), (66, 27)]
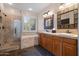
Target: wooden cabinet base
[(58, 46)]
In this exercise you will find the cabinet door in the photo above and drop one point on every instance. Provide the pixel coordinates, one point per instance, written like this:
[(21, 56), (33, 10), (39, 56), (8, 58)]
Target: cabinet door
[(40, 39), (48, 41), (44, 42), (57, 47), (69, 50), (50, 44)]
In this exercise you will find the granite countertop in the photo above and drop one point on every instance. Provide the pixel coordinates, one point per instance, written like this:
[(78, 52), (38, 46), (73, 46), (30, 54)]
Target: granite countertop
[(67, 35)]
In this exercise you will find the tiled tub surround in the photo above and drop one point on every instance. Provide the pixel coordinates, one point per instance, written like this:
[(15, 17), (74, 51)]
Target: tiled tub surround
[(29, 40)]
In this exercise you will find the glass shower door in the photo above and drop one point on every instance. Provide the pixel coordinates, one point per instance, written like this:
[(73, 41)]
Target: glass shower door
[(7, 40)]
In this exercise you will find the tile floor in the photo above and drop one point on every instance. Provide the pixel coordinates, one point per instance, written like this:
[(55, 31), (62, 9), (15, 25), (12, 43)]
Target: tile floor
[(32, 51)]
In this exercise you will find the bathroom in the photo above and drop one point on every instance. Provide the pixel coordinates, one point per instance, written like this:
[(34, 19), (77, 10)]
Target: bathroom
[(45, 29)]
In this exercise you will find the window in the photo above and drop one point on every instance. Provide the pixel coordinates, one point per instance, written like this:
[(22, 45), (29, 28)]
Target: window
[(29, 24)]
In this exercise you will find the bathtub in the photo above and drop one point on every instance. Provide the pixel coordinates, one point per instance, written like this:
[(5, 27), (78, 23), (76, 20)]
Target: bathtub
[(29, 41)]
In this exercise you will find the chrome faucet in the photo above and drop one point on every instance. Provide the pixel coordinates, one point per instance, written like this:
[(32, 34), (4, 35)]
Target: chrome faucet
[(68, 31)]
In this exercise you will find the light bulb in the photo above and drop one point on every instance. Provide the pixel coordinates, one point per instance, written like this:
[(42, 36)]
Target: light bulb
[(61, 7), (50, 13)]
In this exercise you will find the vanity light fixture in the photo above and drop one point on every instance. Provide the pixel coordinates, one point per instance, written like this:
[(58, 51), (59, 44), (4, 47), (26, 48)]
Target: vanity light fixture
[(61, 7), (44, 16), (48, 14)]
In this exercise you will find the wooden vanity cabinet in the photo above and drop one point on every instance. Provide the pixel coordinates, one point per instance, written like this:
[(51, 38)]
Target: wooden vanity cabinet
[(58, 46)]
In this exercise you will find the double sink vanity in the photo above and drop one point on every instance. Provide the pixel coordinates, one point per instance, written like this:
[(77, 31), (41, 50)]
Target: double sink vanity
[(59, 44)]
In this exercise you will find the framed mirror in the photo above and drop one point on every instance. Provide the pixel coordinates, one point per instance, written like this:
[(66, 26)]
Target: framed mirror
[(48, 22)]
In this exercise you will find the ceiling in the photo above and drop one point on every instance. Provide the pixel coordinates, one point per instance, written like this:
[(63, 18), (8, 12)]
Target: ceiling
[(36, 7)]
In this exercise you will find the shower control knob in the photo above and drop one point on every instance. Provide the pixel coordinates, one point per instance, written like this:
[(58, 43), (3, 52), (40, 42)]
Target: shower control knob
[(3, 27)]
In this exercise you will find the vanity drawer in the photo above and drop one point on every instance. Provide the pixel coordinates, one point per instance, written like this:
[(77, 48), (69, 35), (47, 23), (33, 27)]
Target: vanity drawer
[(69, 49), (70, 41)]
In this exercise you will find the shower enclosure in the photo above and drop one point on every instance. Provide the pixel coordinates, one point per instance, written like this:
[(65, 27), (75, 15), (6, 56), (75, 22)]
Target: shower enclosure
[(10, 33)]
